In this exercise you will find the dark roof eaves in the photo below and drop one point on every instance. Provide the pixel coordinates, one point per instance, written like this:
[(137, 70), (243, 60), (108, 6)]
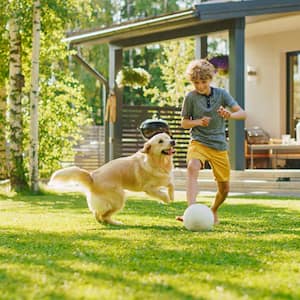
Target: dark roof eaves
[(238, 9)]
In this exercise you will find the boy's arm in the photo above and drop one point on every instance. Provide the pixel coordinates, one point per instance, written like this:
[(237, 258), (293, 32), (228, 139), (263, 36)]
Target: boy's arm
[(235, 113), (189, 123)]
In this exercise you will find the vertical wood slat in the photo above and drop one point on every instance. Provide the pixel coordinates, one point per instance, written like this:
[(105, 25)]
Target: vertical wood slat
[(132, 140)]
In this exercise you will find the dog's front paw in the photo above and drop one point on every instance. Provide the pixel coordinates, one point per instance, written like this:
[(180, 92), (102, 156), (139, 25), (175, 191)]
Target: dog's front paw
[(167, 200), (113, 222), (171, 192), (171, 198)]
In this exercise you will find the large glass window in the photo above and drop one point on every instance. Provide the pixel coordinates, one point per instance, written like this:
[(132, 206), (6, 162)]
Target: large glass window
[(293, 91)]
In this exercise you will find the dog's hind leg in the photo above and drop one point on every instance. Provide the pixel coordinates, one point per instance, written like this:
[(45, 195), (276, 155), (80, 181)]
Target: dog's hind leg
[(117, 201), (98, 216), (107, 218)]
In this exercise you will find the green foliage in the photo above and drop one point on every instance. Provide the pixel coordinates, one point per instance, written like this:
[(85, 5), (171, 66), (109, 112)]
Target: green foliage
[(176, 55), (169, 67), (142, 57), (63, 112), (167, 85), (87, 15), (97, 57), (52, 248), (4, 45), (62, 107), (133, 77), (135, 9)]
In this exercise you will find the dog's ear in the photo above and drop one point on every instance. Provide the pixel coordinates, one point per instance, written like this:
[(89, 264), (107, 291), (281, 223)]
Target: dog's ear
[(147, 147)]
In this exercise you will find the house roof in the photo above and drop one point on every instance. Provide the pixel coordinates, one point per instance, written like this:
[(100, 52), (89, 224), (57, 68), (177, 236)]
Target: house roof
[(133, 29), (202, 19), (237, 9)]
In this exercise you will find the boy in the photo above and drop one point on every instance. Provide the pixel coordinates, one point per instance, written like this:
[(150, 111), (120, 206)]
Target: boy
[(204, 112)]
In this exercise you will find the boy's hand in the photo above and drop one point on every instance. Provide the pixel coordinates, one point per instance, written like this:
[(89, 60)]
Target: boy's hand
[(224, 113), (204, 121)]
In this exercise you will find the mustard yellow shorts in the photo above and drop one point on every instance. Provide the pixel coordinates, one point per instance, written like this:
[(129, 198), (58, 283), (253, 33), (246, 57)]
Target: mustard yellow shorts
[(218, 160)]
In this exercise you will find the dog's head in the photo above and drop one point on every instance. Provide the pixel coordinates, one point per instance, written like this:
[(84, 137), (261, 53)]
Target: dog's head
[(160, 144)]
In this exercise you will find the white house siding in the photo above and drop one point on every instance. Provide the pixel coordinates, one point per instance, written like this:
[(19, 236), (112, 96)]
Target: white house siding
[(266, 47)]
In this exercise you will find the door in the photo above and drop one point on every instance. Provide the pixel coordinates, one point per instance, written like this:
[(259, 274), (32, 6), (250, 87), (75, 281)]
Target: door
[(293, 91)]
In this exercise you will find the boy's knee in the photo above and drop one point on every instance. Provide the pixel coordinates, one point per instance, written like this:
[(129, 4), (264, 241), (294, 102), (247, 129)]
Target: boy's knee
[(224, 188), (194, 166), (225, 193)]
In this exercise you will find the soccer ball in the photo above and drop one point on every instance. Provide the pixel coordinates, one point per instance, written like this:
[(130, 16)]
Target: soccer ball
[(198, 217)]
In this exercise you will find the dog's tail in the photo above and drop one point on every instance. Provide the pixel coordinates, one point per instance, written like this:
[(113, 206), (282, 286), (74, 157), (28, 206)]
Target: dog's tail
[(72, 175)]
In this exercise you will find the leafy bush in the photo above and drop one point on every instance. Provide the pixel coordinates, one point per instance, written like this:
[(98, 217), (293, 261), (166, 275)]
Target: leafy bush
[(133, 77)]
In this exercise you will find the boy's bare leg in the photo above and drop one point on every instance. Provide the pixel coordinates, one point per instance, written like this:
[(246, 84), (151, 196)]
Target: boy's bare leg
[(223, 190), (193, 168), (192, 176)]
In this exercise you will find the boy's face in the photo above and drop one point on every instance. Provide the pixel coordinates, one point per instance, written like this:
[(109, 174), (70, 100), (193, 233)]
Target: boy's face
[(202, 86)]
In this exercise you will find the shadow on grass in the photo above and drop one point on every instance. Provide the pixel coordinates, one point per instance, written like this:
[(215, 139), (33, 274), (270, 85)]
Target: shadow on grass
[(267, 219), (136, 254), (261, 219), (52, 201), (245, 291), (113, 259), (234, 217)]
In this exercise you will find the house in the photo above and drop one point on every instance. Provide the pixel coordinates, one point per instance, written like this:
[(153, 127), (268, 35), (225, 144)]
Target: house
[(264, 56)]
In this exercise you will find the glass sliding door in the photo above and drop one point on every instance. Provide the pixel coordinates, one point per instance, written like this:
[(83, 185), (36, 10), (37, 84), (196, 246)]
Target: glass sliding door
[(293, 91)]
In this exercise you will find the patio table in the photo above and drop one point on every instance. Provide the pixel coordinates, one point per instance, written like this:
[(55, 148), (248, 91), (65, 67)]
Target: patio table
[(283, 151)]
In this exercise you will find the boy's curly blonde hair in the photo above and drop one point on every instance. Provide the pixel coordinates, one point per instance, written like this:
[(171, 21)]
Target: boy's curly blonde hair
[(200, 69)]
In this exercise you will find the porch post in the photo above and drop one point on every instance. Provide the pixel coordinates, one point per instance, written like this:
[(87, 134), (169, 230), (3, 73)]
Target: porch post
[(200, 47), (113, 130), (237, 90)]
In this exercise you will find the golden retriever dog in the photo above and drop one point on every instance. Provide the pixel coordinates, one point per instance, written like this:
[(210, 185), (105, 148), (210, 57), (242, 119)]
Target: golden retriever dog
[(148, 170)]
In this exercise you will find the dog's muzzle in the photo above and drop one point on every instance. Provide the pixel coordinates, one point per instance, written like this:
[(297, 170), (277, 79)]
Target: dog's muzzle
[(171, 150)]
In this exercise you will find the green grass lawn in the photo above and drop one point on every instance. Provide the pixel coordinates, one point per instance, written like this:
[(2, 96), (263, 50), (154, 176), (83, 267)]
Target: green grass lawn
[(52, 248)]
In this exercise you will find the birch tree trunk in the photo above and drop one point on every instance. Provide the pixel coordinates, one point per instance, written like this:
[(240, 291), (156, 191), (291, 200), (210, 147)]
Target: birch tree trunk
[(15, 120), (34, 97), (3, 157)]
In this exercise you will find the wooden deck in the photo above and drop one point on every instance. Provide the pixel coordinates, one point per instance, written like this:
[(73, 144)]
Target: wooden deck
[(273, 182)]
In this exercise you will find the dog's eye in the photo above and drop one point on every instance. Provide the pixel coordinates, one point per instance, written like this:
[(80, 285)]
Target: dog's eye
[(160, 141)]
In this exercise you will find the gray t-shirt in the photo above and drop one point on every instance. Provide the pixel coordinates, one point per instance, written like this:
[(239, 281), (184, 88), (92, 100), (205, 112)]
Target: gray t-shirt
[(196, 106)]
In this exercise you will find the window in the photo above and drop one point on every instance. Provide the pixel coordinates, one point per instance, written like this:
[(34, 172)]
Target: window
[(293, 91)]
